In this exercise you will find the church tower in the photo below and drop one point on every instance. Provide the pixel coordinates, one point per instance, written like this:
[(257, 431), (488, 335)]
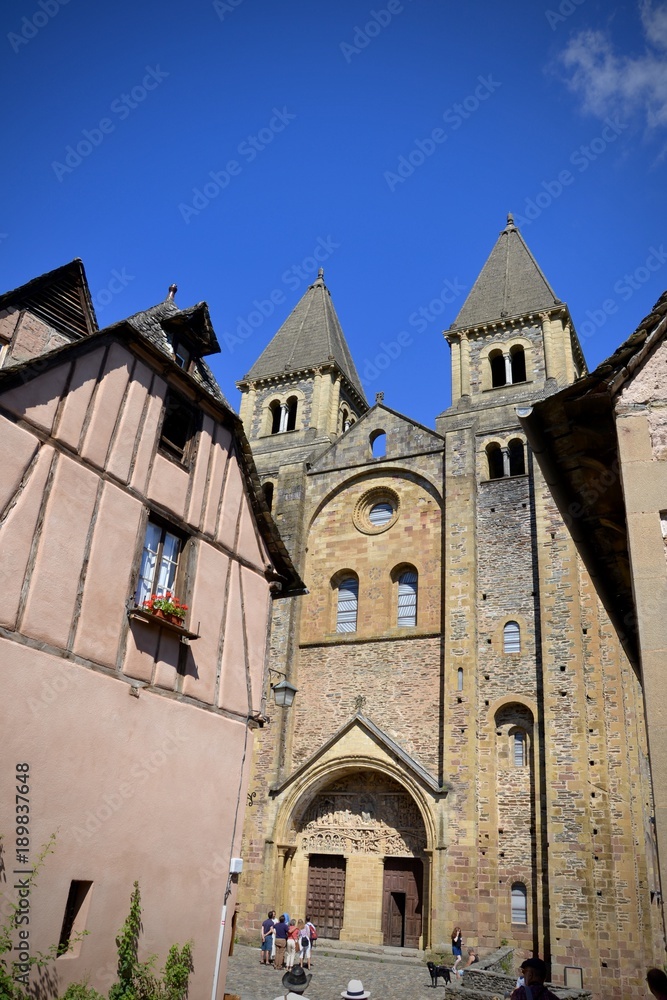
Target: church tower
[(299, 396), (532, 665)]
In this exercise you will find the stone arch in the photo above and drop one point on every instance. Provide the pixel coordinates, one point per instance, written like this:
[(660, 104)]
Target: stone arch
[(318, 776), (381, 477), (352, 822)]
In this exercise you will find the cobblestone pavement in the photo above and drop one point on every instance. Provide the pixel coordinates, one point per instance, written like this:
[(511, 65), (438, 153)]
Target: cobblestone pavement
[(386, 980)]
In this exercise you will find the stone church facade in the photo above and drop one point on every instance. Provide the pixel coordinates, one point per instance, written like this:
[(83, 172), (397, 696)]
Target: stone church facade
[(467, 745)]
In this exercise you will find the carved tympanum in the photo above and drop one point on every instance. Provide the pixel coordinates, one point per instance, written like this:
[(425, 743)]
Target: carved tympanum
[(363, 814)]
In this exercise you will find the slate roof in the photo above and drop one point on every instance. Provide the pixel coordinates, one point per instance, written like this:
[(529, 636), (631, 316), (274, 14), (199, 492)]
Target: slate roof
[(157, 323), (510, 284), (310, 336)]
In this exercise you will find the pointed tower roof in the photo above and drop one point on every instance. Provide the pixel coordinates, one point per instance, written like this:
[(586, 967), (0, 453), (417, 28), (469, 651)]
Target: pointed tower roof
[(310, 336), (510, 284)]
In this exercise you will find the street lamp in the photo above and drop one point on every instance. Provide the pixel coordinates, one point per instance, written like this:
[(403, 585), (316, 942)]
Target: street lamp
[(283, 692)]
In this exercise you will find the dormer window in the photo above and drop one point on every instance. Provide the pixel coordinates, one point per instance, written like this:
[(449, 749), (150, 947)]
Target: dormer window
[(182, 354)]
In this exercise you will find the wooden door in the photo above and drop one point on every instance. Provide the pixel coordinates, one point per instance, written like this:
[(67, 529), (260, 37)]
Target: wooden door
[(402, 902), (325, 897)]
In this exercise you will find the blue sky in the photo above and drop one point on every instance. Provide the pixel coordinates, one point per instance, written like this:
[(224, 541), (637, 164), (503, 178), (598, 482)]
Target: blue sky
[(226, 145)]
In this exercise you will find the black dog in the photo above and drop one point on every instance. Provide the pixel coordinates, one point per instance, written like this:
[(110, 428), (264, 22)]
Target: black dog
[(439, 970)]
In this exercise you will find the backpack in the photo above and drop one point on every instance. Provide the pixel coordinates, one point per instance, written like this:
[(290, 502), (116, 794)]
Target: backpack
[(305, 941)]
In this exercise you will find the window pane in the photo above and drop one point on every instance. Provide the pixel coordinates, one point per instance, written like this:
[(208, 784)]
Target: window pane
[(519, 749), (407, 599), (148, 563), (511, 638), (381, 513), (348, 599), (519, 908), (168, 564)]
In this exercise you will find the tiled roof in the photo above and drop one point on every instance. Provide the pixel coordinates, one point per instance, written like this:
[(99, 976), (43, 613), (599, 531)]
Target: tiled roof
[(152, 323), (510, 284), (310, 336)]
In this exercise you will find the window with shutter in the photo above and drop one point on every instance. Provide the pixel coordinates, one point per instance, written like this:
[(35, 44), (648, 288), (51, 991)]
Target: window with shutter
[(511, 638), (519, 904), (348, 602), (407, 599)]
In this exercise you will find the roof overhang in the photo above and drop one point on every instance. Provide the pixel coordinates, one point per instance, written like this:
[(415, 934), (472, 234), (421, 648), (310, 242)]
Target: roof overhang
[(283, 570)]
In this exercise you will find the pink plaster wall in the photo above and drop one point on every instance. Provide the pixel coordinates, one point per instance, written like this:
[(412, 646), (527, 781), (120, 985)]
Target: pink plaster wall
[(17, 533), (231, 506), (137, 787), (75, 404), (109, 393), (21, 447), (37, 399), (51, 602), (201, 472), (169, 485), (125, 439), (218, 468)]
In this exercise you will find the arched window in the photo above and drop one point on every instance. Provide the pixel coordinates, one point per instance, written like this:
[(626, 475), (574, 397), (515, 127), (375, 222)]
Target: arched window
[(517, 458), (519, 903), (519, 748), (495, 459), (268, 493), (344, 419), (407, 599), (348, 603), (292, 404), (459, 679), (378, 441), (518, 362), (498, 373), (275, 410), (512, 638)]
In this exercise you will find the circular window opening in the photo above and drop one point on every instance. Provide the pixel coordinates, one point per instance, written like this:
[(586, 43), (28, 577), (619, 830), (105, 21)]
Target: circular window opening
[(380, 513), (376, 510)]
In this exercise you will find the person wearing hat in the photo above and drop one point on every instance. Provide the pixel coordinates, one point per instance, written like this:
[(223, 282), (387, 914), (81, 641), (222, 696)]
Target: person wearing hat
[(355, 990), (295, 982), (534, 972)]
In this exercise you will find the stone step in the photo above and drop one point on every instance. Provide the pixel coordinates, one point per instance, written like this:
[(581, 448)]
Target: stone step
[(369, 952)]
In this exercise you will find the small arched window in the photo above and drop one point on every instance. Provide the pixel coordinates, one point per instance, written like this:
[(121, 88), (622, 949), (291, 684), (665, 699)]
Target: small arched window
[(519, 748), (407, 599), (378, 441), (498, 372), (344, 419), (459, 679), (518, 363), (494, 457), (348, 603), (512, 638), (292, 404), (517, 458), (276, 410), (268, 493), (519, 903)]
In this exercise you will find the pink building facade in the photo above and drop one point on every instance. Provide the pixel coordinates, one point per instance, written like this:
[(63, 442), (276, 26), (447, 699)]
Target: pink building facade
[(124, 473)]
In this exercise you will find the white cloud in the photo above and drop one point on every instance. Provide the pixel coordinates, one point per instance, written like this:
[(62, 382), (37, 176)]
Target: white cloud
[(610, 82)]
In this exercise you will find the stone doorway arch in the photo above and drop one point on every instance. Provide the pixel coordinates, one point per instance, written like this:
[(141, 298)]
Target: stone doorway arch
[(359, 859)]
